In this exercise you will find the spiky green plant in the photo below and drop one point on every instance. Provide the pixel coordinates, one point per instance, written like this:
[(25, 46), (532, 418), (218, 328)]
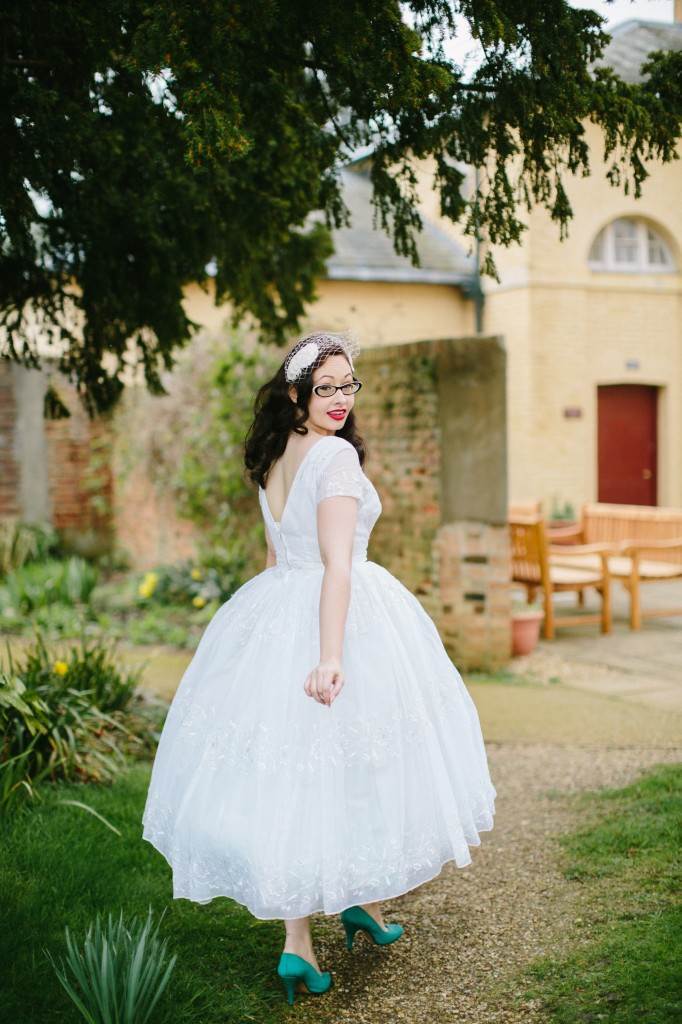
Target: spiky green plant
[(74, 718), (120, 972)]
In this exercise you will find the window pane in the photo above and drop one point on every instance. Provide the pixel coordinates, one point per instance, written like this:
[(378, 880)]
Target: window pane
[(624, 228), (625, 241), (656, 250)]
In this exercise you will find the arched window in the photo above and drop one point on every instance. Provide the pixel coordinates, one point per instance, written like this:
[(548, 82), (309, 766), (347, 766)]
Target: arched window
[(630, 244)]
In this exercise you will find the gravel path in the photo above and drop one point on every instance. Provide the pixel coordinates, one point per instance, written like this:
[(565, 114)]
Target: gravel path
[(471, 928)]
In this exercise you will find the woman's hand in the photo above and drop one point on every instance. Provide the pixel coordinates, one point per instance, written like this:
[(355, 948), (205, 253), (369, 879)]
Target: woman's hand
[(325, 682)]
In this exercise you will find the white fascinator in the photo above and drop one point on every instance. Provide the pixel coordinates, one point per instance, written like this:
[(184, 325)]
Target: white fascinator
[(312, 350)]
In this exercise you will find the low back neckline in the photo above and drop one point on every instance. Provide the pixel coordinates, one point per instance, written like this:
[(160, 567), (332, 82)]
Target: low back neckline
[(278, 522)]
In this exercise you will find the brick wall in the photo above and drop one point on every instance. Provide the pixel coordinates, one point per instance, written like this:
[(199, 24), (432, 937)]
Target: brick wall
[(148, 527), (9, 468), (80, 476), (397, 413), (54, 470), (433, 414)]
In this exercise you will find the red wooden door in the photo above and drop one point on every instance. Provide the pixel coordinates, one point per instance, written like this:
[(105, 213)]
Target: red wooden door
[(627, 432)]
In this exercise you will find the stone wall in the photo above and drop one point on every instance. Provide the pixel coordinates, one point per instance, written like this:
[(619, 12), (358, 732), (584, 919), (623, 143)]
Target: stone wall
[(433, 414)]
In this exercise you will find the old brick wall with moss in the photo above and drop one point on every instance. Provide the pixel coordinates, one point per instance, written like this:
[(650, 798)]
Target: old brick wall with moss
[(433, 414)]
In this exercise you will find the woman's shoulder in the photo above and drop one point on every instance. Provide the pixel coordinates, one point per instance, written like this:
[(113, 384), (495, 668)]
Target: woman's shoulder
[(333, 445)]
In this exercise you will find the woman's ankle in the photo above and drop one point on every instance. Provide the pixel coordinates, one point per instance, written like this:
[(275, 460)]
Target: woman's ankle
[(303, 949), (374, 911)]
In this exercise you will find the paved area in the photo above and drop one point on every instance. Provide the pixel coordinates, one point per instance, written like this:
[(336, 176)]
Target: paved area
[(643, 666)]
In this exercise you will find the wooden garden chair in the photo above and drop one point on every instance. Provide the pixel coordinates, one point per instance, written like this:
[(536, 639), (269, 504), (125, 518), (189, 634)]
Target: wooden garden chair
[(647, 548), (532, 566)]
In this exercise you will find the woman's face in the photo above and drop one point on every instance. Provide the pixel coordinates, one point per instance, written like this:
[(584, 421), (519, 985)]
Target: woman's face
[(327, 415)]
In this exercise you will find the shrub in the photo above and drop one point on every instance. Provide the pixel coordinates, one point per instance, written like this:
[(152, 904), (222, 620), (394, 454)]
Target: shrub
[(89, 668), (73, 717), (26, 714), (25, 542), (54, 620), (119, 974), (192, 583), (70, 582)]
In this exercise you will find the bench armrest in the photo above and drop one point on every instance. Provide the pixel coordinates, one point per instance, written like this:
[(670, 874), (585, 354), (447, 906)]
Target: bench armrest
[(576, 550), (631, 547)]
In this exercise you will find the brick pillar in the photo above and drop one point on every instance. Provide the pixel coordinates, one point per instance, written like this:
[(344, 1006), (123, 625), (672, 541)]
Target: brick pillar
[(472, 567)]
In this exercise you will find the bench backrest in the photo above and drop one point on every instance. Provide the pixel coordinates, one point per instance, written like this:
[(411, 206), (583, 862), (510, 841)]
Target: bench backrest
[(612, 523), (528, 543), (530, 507)]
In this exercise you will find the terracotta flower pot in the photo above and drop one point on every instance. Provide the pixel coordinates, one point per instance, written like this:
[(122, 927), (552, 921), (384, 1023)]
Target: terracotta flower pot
[(525, 631)]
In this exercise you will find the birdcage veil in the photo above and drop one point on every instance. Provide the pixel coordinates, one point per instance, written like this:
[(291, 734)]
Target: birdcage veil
[(312, 350)]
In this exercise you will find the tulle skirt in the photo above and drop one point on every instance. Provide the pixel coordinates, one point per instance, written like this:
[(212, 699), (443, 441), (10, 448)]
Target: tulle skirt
[(261, 794)]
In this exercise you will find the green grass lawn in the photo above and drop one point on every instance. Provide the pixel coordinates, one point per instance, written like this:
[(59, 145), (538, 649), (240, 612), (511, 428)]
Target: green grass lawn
[(59, 865), (625, 966)]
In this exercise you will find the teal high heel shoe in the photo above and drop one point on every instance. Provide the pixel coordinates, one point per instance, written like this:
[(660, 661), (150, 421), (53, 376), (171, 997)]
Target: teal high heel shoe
[(293, 969), (355, 918)]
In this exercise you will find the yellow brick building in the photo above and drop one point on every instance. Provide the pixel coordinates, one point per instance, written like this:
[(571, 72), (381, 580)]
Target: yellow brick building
[(592, 325), (595, 318)]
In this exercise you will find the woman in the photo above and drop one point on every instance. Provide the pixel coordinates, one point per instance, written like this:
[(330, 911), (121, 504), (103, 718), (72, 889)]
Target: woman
[(322, 752)]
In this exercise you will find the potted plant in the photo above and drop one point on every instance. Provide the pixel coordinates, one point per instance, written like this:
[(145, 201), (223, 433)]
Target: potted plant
[(562, 514), (525, 621)]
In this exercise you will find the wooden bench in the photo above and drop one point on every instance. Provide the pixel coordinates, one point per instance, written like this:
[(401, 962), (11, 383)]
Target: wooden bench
[(645, 543), (532, 567)]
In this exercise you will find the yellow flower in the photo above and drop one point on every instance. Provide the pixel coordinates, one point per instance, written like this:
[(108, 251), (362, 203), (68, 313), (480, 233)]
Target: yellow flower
[(60, 667), (148, 585), (197, 574), (198, 601)]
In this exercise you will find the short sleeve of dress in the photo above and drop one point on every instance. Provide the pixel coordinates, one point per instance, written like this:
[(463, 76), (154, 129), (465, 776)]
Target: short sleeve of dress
[(342, 475)]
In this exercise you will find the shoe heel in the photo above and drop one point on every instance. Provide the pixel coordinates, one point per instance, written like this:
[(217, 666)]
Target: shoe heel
[(290, 986), (350, 930)]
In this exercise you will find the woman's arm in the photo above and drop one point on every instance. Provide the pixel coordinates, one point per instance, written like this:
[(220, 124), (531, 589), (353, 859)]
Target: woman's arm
[(336, 521)]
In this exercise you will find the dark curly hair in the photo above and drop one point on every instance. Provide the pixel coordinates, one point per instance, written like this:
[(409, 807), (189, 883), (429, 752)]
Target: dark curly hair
[(276, 416)]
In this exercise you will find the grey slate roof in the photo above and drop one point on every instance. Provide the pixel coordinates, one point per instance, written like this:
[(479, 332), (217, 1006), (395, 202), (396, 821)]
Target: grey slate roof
[(362, 253), (633, 40), (365, 254)]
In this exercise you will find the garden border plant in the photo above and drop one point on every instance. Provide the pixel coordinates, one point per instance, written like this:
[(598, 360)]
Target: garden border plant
[(75, 717), (121, 971)]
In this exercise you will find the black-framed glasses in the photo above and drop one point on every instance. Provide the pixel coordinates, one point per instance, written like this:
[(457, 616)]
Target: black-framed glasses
[(327, 390)]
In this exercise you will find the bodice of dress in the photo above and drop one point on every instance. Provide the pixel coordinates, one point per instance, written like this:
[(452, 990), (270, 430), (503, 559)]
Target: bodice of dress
[(330, 467)]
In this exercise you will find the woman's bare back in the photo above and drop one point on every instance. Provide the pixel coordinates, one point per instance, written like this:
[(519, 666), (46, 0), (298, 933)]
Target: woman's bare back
[(282, 472)]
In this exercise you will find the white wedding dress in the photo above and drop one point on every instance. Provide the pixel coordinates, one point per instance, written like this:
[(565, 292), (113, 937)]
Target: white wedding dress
[(262, 794)]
